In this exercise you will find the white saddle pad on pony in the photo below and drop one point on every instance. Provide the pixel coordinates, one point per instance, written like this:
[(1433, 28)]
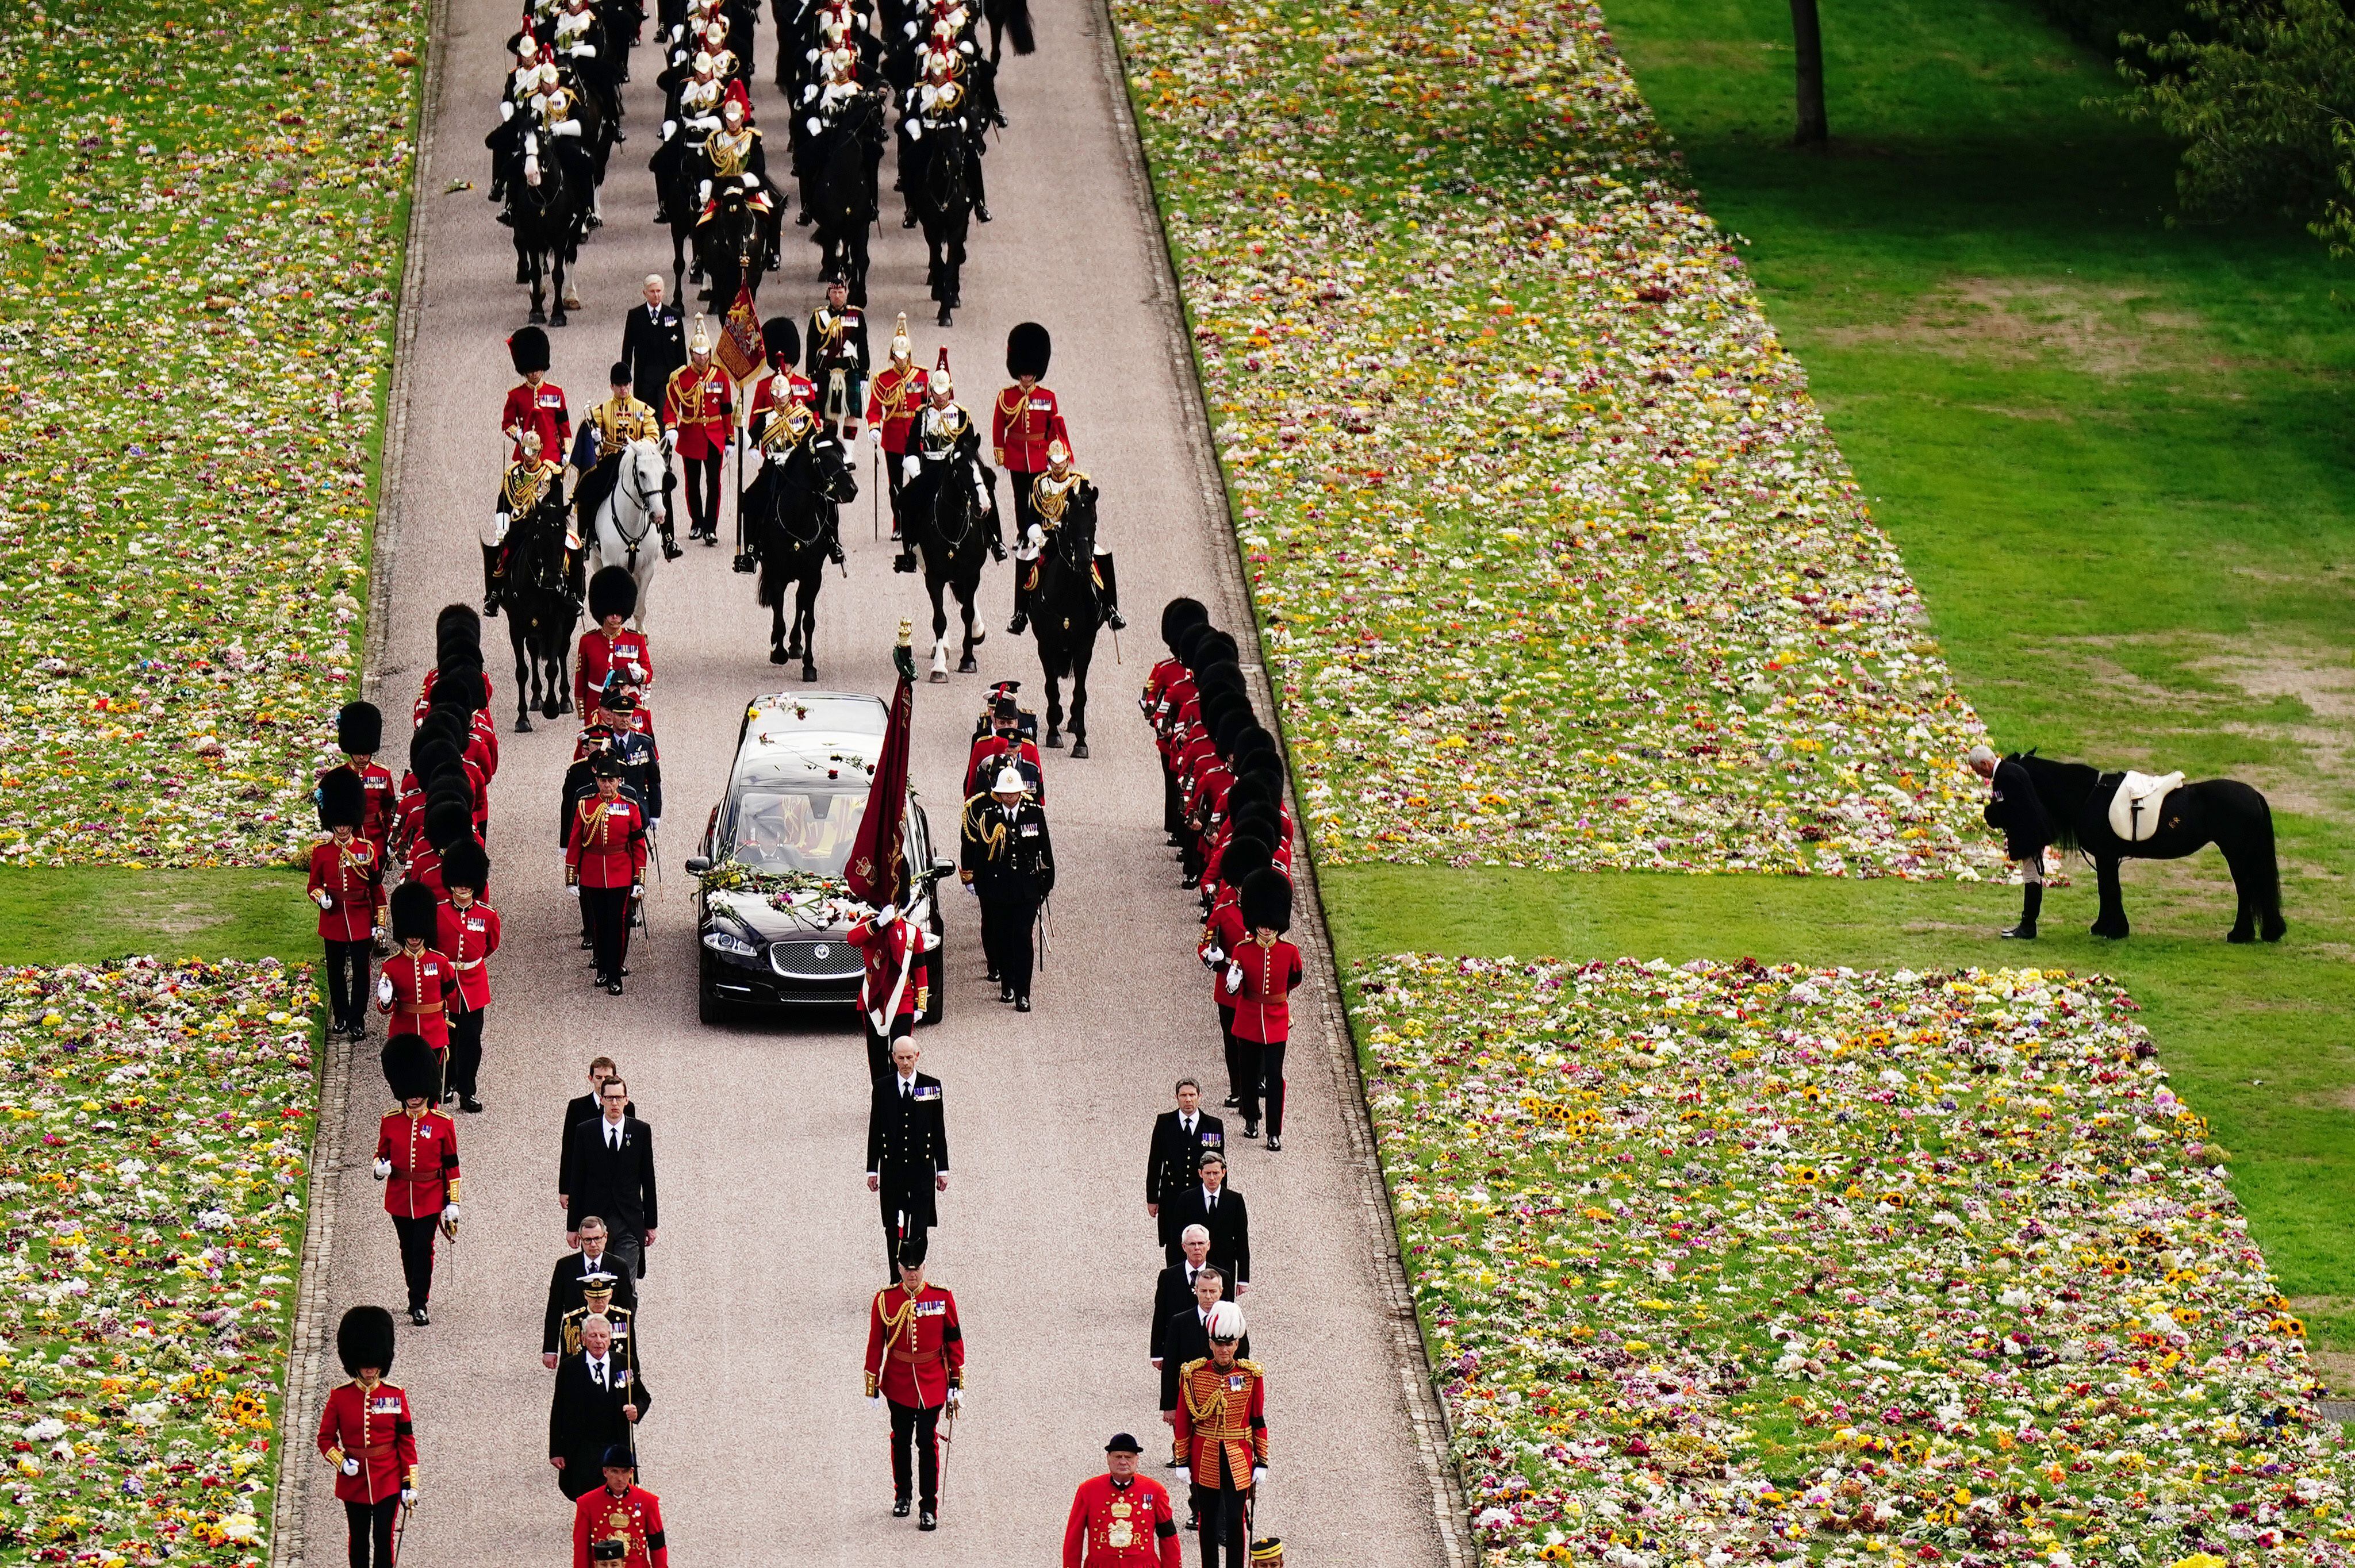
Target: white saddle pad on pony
[(2135, 808)]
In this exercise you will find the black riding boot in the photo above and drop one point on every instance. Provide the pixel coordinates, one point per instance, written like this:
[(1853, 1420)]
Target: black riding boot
[(671, 551), (492, 571), (1022, 572), (1111, 584), (2031, 903), (834, 540)]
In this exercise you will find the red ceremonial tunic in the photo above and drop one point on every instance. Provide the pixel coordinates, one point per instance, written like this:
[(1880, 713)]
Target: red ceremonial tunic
[(799, 388), (377, 802), (1121, 1524), (607, 844), (423, 1150), (1263, 1001), (1222, 1415), (890, 952), (915, 1351), (408, 816), (981, 763), (421, 989), (1021, 427), (599, 656), (1223, 930), (1179, 705), (1163, 675), (352, 875), (374, 1427), (538, 408), (635, 1516), (700, 404), (893, 398), (466, 937)]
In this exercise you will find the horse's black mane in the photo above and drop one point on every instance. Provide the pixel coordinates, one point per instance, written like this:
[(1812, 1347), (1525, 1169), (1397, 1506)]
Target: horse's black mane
[(2063, 787)]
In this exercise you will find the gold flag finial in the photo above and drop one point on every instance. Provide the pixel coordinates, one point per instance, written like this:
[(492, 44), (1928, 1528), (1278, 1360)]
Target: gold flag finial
[(906, 626)]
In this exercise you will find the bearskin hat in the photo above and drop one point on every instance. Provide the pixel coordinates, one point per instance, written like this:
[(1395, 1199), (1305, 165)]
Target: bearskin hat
[(1248, 790), (1251, 742), (364, 1339), (359, 729), (342, 801), (412, 911), (1213, 647), (1027, 350), (448, 819), (1234, 718), (1177, 615), (1245, 853), (614, 591), (1267, 899), (459, 626), (1224, 675), (410, 1070), (913, 1250), (1189, 638), (460, 687), (433, 751), (528, 350), (782, 339), (465, 865)]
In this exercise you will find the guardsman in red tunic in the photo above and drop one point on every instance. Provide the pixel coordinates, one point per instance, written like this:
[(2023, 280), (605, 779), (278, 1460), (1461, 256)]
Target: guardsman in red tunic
[(605, 860), (784, 381), (1178, 617), (1003, 745), (698, 416), (368, 1434), (1223, 934), (347, 885), (915, 1363), (360, 732), (894, 990), (466, 933), (1120, 1519), (609, 645), (416, 981), (620, 1511), (1023, 423), (1222, 1436), (894, 397), (1261, 976), (537, 404), (417, 1160)]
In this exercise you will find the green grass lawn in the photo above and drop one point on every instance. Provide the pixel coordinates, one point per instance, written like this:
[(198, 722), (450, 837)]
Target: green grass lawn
[(2116, 456), (87, 915)]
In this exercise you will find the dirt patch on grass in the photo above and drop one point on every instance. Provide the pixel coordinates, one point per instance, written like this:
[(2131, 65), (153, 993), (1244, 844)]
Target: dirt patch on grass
[(2093, 327), (2338, 1370)]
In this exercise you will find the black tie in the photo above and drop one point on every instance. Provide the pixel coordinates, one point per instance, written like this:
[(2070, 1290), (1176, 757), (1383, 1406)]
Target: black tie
[(613, 1139), (1212, 1206), (599, 1367)]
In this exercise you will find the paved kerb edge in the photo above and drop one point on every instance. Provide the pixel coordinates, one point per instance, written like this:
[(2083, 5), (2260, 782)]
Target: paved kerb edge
[(1424, 1411), (307, 1357)]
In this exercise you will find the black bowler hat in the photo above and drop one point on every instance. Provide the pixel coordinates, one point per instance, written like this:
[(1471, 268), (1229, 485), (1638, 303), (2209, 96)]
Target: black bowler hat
[(619, 1457), (1121, 1443)]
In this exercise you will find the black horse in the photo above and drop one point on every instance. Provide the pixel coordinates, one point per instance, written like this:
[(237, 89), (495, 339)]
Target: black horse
[(2223, 811), (543, 605), (945, 519), (730, 246), (789, 507), (839, 191), (1066, 609), (548, 214), (1008, 19), (944, 207)]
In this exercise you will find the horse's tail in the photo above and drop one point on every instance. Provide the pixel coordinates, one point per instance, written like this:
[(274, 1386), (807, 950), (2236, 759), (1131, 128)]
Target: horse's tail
[(1015, 17), (2256, 865)]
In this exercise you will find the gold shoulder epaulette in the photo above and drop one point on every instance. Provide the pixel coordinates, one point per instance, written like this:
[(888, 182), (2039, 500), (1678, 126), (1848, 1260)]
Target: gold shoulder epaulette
[(1251, 1367), (1188, 1369)]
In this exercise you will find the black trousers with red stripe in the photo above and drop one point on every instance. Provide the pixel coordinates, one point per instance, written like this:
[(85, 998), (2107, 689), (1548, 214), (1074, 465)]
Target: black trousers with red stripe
[(918, 1426)]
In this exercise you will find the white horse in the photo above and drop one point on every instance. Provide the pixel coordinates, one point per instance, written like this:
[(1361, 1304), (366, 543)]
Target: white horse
[(626, 532)]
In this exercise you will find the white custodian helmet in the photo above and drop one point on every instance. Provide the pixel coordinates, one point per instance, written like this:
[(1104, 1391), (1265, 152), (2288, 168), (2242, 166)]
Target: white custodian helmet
[(1007, 782)]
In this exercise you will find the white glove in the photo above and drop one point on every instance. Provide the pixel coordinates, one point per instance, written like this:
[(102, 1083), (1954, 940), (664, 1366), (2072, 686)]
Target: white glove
[(636, 891), (565, 128), (655, 826), (409, 1496), (751, 181), (915, 130), (911, 466), (703, 192), (574, 889), (322, 898), (1215, 957), (384, 990), (956, 1398), (669, 130), (351, 1465), (1258, 1474), (383, 1168), (706, 124), (538, 103), (755, 458), (500, 522), (585, 51), (812, 123), (874, 436), (452, 1214), (670, 441), (889, 913), (1234, 979), (506, 110)]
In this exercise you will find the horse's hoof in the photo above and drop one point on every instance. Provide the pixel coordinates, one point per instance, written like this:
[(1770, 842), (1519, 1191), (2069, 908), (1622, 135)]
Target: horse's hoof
[(945, 318), (1080, 750), (557, 320), (523, 723), (938, 678), (2239, 935), (1054, 738), (809, 671), (538, 316), (980, 635), (551, 707), (2273, 932), (776, 655), (968, 665)]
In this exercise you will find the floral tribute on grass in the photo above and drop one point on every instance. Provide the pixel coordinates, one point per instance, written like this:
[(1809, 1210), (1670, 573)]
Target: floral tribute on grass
[(155, 1130), (200, 222), (1559, 565), (1731, 1264)]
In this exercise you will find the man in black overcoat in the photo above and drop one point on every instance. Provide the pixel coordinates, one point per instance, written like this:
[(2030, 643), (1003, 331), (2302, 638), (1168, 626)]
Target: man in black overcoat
[(1179, 1136), (2015, 810), (907, 1149), (601, 1396), (612, 1172)]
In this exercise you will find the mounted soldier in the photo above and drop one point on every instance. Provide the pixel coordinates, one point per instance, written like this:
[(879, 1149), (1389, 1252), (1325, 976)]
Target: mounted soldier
[(531, 487), (605, 434)]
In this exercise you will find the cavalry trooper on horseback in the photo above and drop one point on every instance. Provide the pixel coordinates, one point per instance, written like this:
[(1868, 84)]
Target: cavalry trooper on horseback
[(694, 117), (780, 342), (531, 483), (942, 436), (733, 155), (836, 341), (777, 430), (520, 103), (607, 432), (1052, 493), (581, 45), (940, 102)]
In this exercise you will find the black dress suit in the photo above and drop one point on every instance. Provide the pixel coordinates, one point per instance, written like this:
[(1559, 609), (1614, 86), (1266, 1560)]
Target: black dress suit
[(1184, 1338), (1169, 1164), (564, 1293), (1228, 1224), (1174, 1293), (584, 1419), (653, 345), (578, 1109), (617, 1186), (907, 1148)]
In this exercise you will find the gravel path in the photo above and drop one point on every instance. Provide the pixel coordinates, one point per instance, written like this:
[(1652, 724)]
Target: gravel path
[(756, 1306)]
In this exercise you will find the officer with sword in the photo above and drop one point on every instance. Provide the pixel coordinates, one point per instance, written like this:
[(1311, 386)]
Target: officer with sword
[(915, 1365), (367, 1433)]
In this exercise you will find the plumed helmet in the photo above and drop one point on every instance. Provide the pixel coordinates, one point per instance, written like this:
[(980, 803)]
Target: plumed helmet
[(1177, 615), (700, 345), (364, 1339), (448, 821), (782, 339), (1226, 1322), (465, 865), (460, 687), (1267, 899), (901, 347), (913, 1250), (614, 591), (528, 350), (412, 912), (1027, 349), (410, 1069), (461, 622), (1245, 853), (341, 804), (359, 729)]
